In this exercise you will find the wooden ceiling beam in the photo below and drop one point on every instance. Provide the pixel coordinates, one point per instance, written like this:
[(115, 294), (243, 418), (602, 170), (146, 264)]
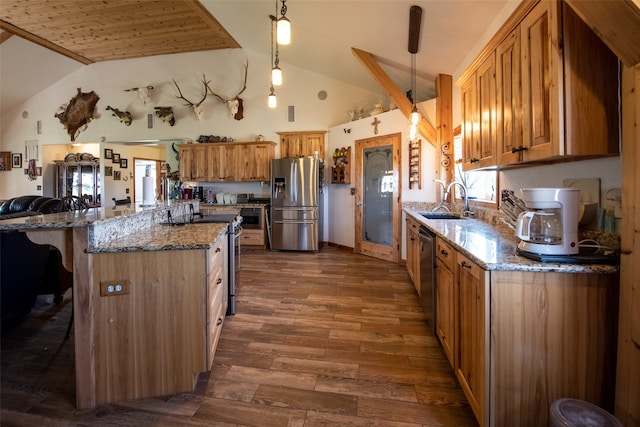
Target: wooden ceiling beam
[(397, 96), (44, 43)]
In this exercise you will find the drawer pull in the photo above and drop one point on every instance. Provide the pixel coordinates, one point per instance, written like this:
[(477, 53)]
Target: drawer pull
[(219, 321), (465, 265), (218, 249), (443, 252), (218, 281)]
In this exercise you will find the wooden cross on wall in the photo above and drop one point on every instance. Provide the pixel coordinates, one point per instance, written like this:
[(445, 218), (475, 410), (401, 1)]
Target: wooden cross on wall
[(375, 124)]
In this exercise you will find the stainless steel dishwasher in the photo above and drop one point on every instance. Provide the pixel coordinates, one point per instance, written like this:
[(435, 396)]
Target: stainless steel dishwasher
[(428, 276)]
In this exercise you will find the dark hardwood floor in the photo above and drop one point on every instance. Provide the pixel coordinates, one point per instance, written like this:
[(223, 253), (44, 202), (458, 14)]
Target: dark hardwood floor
[(326, 339)]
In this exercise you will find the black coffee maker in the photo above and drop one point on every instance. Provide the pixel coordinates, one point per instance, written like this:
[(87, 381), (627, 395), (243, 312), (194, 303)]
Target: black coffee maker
[(198, 193)]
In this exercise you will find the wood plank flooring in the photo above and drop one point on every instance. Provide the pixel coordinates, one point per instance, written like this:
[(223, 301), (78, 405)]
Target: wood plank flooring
[(326, 339)]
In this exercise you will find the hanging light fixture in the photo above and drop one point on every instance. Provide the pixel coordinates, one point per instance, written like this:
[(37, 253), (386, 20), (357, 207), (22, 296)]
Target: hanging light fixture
[(283, 27), (415, 16), (276, 72), (272, 101)]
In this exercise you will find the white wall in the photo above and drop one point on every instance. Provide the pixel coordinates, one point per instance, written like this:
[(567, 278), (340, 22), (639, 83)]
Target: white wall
[(225, 71)]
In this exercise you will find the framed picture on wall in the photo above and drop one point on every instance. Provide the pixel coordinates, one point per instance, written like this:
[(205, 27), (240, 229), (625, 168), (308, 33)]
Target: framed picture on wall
[(5, 160), (16, 160), (115, 158), (123, 163), (108, 153), (108, 171), (116, 175)]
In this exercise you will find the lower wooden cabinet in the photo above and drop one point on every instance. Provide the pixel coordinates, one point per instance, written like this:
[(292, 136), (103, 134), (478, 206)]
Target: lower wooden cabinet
[(521, 340), (413, 251), (157, 336)]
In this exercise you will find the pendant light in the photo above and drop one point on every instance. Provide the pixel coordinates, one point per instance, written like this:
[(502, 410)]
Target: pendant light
[(415, 17), (283, 27), (272, 101)]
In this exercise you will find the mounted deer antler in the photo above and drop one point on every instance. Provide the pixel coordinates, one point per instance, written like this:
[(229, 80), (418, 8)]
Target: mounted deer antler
[(235, 104), (143, 93), (197, 108)]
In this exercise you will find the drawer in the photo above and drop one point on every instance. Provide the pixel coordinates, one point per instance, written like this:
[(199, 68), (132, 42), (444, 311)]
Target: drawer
[(215, 256), (445, 253), (470, 266), (252, 237), (214, 330)]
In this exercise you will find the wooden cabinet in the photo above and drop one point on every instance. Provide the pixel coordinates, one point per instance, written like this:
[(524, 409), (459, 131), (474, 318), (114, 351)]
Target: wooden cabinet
[(446, 303), (302, 144), (544, 60), (341, 168), (193, 162), (162, 331), (509, 100), (226, 161), (217, 295), (546, 335), (471, 351), (413, 251), (479, 117), (222, 163), (256, 162)]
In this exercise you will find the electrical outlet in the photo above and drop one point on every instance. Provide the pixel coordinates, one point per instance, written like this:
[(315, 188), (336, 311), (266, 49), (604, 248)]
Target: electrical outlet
[(113, 288)]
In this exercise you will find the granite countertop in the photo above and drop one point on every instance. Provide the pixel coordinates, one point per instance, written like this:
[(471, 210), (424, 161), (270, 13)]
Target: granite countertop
[(165, 238), (494, 247), (83, 218)]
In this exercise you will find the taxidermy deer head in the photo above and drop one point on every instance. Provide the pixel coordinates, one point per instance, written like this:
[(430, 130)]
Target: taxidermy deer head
[(198, 109), (76, 115), (124, 116), (236, 109), (165, 114), (143, 93)]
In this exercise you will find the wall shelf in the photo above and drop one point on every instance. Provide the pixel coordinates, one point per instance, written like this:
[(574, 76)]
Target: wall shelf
[(415, 164), (341, 169)]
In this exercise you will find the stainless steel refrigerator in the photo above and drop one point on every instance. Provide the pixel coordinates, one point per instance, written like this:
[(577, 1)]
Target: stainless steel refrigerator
[(294, 204)]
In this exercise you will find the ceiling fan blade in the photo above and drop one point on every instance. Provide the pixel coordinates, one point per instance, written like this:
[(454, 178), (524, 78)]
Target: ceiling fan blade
[(415, 19)]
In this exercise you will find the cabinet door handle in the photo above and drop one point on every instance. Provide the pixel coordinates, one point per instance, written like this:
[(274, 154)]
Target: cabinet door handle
[(218, 281), (219, 321), (465, 265), (474, 160), (217, 249), (443, 252)]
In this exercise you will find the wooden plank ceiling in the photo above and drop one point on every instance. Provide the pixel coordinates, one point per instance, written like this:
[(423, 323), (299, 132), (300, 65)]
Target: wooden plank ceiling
[(93, 31)]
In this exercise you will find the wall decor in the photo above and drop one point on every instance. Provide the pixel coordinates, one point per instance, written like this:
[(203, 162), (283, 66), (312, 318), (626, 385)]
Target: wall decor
[(235, 104), (123, 163), (125, 117), (108, 171), (108, 153), (5, 160), (116, 175), (143, 93), (116, 158), (76, 115), (165, 114), (198, 109), (16, 160)]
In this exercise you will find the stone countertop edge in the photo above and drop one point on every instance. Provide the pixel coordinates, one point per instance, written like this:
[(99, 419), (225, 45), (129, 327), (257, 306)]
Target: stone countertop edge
[(165, 238), (494, 247)]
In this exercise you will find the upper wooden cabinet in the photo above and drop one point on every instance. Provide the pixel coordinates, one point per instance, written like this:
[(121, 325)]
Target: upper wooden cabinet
[(256, 161), (226, 161), (556, 91), (479, 116), (302, 144)]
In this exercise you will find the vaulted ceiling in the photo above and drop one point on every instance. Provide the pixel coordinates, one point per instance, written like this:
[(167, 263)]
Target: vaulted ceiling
[(66, 34)]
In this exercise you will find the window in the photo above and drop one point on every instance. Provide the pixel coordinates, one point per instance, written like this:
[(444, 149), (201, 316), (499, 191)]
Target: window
[(482, 185)]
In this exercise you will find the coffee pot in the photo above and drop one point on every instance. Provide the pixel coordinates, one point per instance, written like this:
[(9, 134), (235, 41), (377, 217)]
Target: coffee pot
[(550, 225)]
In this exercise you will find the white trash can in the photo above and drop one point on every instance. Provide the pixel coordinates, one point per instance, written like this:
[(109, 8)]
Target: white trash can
[(578, 413)]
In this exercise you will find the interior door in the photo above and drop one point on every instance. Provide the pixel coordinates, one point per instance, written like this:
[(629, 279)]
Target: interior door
[(377, 180)]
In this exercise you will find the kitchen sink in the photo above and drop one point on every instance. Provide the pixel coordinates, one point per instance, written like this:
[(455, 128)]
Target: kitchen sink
[(441, 215)]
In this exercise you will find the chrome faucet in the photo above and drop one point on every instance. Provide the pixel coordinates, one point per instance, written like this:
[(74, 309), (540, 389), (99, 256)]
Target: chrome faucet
[(447, 188)]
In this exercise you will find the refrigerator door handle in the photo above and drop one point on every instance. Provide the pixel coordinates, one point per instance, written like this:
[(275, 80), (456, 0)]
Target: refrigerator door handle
[(294, 222), (294, 182)]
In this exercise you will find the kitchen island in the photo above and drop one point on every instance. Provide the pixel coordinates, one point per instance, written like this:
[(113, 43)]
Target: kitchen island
[(148, 299), (519, 333)]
